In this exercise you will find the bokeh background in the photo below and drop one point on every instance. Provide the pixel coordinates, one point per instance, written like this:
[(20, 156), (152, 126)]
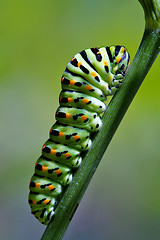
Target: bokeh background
[(37, 39)]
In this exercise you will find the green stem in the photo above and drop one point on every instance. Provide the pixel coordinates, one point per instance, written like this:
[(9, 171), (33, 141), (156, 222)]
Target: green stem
[(152, 13), (140, 66)]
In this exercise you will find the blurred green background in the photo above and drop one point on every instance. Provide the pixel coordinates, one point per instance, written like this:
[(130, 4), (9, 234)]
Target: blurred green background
[(37, 39)]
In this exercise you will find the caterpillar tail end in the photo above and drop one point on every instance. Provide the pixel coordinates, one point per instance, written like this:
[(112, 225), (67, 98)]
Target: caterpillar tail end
[(48, 215)]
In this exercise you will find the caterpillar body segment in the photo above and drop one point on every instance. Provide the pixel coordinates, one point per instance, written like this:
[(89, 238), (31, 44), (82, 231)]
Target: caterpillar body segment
[(75, 138), (79, 84), (90, 76), (79, 117), (59, 153), (81, 100)]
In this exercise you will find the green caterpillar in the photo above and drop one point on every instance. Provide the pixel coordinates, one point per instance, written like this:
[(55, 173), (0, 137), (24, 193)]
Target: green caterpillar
[(89, 77)]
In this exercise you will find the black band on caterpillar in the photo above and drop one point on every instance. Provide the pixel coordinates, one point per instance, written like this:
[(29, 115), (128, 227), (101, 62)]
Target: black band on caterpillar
[(89, 77)]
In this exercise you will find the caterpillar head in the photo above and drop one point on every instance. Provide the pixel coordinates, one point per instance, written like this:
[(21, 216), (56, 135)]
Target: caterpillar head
[(121, 60)]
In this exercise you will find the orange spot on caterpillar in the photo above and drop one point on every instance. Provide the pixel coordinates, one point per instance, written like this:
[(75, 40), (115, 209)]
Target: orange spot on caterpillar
[(34, 201), (72, 82), (52, 151), (44, 168), (51, 187), (76, 137), (37, 185), (61, 134), (36, 163), (84, 117), (46, 201), (98, 52), (62, 79), (43, 146), (105, 63), (58, 172), (68, 115), (70, 99), (94, 74), (67, 155), (51, 129), (60, 99), (72, 59), (79, 64), (88, 87), (122, 50), (85, 100), (118, 59)]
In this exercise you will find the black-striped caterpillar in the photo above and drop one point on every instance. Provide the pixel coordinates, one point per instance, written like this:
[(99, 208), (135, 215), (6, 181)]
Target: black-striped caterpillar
[(89, 77)]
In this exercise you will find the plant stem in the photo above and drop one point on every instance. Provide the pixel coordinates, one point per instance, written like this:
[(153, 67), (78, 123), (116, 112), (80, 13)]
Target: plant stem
[(119, 104), (152, 13)]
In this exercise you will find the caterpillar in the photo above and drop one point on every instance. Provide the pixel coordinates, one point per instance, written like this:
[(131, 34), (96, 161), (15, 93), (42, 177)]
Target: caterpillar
[(90, 76)]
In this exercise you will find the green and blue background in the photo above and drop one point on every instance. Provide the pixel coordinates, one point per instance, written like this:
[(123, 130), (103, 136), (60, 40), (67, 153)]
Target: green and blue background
[(37, 40)]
